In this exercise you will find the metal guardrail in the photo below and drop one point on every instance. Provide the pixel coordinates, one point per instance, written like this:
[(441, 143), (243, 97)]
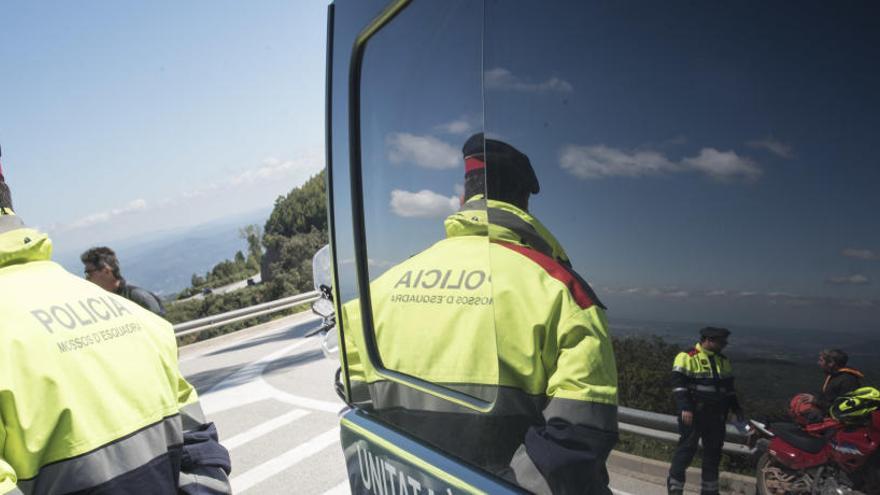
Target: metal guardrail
[(665, 427), (202, 324), (644, 423)]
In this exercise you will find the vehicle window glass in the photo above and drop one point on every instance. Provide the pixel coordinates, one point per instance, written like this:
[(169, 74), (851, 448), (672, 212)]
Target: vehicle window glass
[(428, 263), (347, 24), (702, 164)]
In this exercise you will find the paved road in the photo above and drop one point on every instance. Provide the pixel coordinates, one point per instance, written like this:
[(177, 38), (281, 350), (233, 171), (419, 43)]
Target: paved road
[(224, 289), (270, 392)]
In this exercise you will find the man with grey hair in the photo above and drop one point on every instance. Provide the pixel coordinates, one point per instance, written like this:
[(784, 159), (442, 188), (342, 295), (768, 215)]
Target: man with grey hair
[(101, 267)]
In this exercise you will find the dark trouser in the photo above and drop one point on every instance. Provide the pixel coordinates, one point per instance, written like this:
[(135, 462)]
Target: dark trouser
[(708, 425)]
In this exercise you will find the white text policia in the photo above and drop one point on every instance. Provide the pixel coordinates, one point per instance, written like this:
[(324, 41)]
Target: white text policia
[(79, 313), (450, 279)]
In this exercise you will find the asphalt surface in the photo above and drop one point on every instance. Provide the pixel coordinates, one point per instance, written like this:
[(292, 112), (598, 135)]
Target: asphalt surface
[(270, 392)]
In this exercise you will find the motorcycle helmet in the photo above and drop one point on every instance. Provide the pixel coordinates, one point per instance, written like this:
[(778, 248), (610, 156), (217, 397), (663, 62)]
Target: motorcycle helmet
[(856, 406), (802, 409)]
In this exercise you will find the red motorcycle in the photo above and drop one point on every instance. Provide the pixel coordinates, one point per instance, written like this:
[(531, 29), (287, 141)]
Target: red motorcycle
[(827, 458)]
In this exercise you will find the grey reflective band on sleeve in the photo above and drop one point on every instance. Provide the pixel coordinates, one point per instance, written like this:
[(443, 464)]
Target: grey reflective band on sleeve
[(593, 414), (706, 388), (527, 474), (105, 463), (203, 484), (679, 389), (192, 416)]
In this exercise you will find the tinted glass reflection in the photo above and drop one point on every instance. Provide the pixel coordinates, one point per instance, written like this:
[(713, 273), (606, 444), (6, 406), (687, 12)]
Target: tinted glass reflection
[(702, 163), (431, 294)]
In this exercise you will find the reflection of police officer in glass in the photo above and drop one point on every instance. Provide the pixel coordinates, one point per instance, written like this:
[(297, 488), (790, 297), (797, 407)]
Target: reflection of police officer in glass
[(554, 383), (702, 382)]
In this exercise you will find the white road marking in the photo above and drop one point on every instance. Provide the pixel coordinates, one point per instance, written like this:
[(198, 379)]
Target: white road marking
[(619, 492), (343, 488), (308, 403), (263, 429), (247, 386), (264, 471)]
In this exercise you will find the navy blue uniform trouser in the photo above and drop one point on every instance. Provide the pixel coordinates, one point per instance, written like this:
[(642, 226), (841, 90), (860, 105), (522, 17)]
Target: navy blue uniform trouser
[(708, 425)]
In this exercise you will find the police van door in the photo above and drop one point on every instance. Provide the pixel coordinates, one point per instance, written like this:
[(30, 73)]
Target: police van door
[(413, 281)]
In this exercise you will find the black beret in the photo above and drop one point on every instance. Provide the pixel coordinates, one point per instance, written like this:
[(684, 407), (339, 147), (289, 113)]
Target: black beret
[(511, 160), (714, 332)]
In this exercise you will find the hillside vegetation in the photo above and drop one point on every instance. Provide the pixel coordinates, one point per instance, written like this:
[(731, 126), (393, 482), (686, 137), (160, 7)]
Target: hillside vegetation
[(294, 231)]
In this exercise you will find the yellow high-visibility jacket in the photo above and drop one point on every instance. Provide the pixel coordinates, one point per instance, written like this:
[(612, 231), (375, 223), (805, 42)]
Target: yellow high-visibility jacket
[(91, 396), (495, 311), (703, 377)]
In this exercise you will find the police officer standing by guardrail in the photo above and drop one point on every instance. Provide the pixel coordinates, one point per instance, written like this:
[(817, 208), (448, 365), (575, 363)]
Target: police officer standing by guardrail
[(702, 381)]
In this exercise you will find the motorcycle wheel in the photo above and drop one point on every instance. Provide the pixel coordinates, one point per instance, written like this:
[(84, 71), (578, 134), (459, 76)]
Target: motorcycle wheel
[(764, 479)]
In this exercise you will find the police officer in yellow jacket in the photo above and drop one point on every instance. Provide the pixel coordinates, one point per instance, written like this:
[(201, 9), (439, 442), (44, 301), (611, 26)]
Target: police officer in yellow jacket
[(551, 373), (703, 388), (91, 397)]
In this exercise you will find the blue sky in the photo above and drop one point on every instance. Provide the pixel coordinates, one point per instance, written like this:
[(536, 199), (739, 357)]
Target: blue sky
[(119, 119), (698, 164)]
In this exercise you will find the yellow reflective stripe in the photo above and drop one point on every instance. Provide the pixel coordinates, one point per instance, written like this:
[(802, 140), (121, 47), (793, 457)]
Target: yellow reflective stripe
[(107, 462)]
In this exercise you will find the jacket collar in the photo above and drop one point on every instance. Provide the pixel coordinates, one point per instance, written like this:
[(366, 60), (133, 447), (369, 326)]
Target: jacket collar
[(23, 246), (19, 244), (848, 371), (707, 352), (504, 222)]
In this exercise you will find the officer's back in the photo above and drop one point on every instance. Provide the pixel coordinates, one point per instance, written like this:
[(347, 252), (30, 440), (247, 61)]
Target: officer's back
[(91, 399)]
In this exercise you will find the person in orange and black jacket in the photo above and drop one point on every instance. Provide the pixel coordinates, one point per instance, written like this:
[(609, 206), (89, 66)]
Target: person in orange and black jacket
[(838, 378)]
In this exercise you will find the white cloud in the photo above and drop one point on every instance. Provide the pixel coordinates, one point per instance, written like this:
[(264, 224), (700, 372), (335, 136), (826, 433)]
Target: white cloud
[(271, 172), (779, 149), (422, 151), (598, 161), (592, 162), (862, 254), (422, 204), (773, 298), (460, 127), (856, 279), (105, 216), (501, 78), (723, 165), (272, 168)]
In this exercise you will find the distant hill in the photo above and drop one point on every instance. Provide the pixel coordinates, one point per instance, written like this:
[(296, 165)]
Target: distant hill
[(164, 262)]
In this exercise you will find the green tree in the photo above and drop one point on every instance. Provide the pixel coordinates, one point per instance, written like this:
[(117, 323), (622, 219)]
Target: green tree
[(296, 229), (254, 237)]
